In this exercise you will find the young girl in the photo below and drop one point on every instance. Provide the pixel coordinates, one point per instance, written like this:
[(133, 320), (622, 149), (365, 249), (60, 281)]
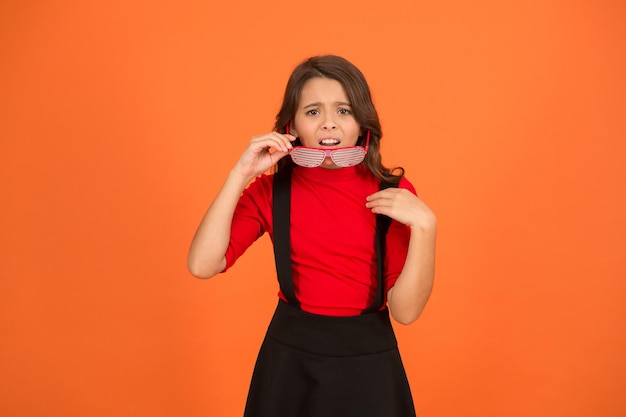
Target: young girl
[(350, 238)]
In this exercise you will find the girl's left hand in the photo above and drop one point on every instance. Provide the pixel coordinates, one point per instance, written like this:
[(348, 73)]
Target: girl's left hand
[(403, 206)]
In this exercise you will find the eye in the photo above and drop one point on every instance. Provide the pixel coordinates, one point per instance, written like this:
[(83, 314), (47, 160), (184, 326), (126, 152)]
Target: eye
[(344, 111), (313, 112)]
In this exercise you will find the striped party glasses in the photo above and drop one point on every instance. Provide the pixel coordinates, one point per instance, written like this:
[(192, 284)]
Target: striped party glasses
[(342, 157)]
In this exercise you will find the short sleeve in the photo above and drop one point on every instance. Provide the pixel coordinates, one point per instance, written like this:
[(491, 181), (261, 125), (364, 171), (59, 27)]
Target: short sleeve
[(252, 218), (397, 244)]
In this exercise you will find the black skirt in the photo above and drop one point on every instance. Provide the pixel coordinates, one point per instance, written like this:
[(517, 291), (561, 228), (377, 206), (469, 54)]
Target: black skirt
[(319, 366)]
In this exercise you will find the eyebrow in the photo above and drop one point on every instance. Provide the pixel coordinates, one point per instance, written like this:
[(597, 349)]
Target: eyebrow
[(339, 103)]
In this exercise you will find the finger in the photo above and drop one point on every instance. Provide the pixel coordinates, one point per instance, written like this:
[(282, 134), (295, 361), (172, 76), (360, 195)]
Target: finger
[(379, 202), (386, 193), (386, 210), (261, 143), (375, 196), (284, 139), (287, 139), (288, 136), (277, 156)]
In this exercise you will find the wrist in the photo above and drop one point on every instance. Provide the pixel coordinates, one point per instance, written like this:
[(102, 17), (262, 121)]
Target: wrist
[(242, 172), (425, 225), (238, 178)]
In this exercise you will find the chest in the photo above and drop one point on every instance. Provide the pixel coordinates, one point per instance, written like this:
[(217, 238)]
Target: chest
[(331, 220)]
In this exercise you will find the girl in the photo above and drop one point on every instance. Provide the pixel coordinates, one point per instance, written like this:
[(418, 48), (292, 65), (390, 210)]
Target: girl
[(352, 241)]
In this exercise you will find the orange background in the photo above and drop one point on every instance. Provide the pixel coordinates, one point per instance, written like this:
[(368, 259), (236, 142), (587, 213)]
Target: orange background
[(119, 120)]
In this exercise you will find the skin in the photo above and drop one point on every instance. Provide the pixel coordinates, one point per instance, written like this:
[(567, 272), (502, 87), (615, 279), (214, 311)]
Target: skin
[(324, 117), (323, 112)]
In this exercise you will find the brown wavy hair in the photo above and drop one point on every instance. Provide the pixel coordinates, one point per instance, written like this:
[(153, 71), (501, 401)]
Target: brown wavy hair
[(359, 96)]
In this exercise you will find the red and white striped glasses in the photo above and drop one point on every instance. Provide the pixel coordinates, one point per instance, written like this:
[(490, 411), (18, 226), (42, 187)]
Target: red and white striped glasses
[(342, 157)]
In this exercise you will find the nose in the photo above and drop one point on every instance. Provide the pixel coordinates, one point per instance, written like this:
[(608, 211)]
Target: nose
[(329, 122)]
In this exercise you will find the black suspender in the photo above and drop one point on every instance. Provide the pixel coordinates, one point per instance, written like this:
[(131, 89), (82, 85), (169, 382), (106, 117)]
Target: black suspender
[(382, 226), (281, 210), (281, 214)]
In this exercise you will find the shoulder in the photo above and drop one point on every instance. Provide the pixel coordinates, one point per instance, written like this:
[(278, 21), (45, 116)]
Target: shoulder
[(260, 187), (263, 181), (406, 184)]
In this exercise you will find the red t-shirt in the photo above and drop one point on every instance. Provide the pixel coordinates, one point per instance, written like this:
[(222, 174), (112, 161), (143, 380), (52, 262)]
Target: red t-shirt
[(332, 236)]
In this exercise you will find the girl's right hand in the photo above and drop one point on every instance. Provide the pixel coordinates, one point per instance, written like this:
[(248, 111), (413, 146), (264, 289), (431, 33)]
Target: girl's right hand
[(262, 153)]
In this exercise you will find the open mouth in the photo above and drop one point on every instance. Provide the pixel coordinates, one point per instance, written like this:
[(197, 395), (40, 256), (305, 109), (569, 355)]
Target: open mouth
[(329, 142)]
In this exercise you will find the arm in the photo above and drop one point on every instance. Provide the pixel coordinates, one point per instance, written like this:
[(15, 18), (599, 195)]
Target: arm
[(208, 248), (410, 293)]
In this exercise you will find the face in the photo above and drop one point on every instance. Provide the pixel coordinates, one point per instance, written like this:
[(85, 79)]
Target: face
[(324, 117)]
